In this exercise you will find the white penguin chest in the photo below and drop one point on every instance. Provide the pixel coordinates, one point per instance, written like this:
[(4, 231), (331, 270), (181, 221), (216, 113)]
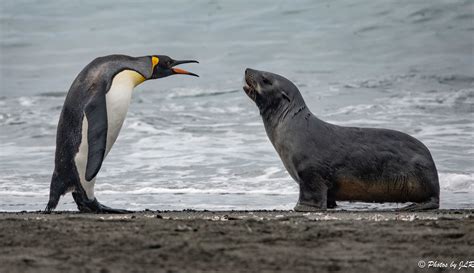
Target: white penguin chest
[(117, 102)]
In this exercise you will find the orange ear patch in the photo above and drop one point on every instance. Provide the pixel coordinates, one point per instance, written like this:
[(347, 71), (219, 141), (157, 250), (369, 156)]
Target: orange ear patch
[(154, 61)]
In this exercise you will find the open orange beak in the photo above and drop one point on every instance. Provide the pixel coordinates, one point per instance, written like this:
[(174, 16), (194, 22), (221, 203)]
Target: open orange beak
[(182, 71)]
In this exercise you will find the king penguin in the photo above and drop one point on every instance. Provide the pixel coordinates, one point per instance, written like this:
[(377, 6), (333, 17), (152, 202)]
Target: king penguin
[(92, 116)]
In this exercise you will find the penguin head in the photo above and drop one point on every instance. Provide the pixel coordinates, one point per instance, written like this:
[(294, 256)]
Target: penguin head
[(164, 66)]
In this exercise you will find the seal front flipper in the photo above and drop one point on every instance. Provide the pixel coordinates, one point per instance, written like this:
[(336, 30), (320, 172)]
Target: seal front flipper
[(96, 114), (313, 192)]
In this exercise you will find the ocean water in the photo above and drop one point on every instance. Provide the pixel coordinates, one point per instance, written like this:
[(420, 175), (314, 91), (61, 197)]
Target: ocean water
[(199, 143)]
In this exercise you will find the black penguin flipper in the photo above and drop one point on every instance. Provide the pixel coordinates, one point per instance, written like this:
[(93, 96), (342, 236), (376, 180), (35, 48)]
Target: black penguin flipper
[(96, 113)]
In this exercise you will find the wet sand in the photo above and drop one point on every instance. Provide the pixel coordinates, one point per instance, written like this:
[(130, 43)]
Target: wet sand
[(235, 241)]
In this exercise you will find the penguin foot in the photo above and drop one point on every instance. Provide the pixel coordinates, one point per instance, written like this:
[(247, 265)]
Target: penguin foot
[(93, 206), (105, 209)]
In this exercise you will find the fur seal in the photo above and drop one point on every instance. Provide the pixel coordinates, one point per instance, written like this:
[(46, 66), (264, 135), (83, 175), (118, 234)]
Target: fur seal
[(334, 163)]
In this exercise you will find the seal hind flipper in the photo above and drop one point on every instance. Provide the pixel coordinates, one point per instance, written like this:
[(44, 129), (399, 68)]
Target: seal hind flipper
[(331, 198), (96, 113), (433, 203)]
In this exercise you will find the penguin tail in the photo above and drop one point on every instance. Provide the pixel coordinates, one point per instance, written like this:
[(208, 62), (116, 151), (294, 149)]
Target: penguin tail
[(57, 189)]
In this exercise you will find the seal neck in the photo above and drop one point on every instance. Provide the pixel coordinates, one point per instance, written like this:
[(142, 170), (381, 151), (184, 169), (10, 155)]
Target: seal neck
[(281, 111), (275, 115), (301, 109)]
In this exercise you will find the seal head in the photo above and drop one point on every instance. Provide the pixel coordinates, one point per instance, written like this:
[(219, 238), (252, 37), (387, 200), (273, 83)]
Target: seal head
[(270, 91)]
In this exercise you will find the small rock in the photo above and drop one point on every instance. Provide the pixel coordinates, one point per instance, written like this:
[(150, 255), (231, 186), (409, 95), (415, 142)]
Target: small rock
[(183, 228), (154, 246)]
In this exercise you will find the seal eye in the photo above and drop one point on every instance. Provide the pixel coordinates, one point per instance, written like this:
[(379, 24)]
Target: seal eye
[(266, 81)]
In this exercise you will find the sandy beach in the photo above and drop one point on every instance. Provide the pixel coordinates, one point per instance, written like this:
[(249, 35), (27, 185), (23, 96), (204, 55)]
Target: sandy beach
[(236, 241)]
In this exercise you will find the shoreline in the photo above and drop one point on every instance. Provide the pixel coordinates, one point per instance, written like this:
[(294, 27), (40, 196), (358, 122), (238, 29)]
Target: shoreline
[(388, 214), (234, 241)]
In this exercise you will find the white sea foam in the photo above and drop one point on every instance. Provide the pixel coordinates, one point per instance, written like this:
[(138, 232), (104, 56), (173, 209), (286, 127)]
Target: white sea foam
[(25, 193), (457, 182), (210, 191)]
